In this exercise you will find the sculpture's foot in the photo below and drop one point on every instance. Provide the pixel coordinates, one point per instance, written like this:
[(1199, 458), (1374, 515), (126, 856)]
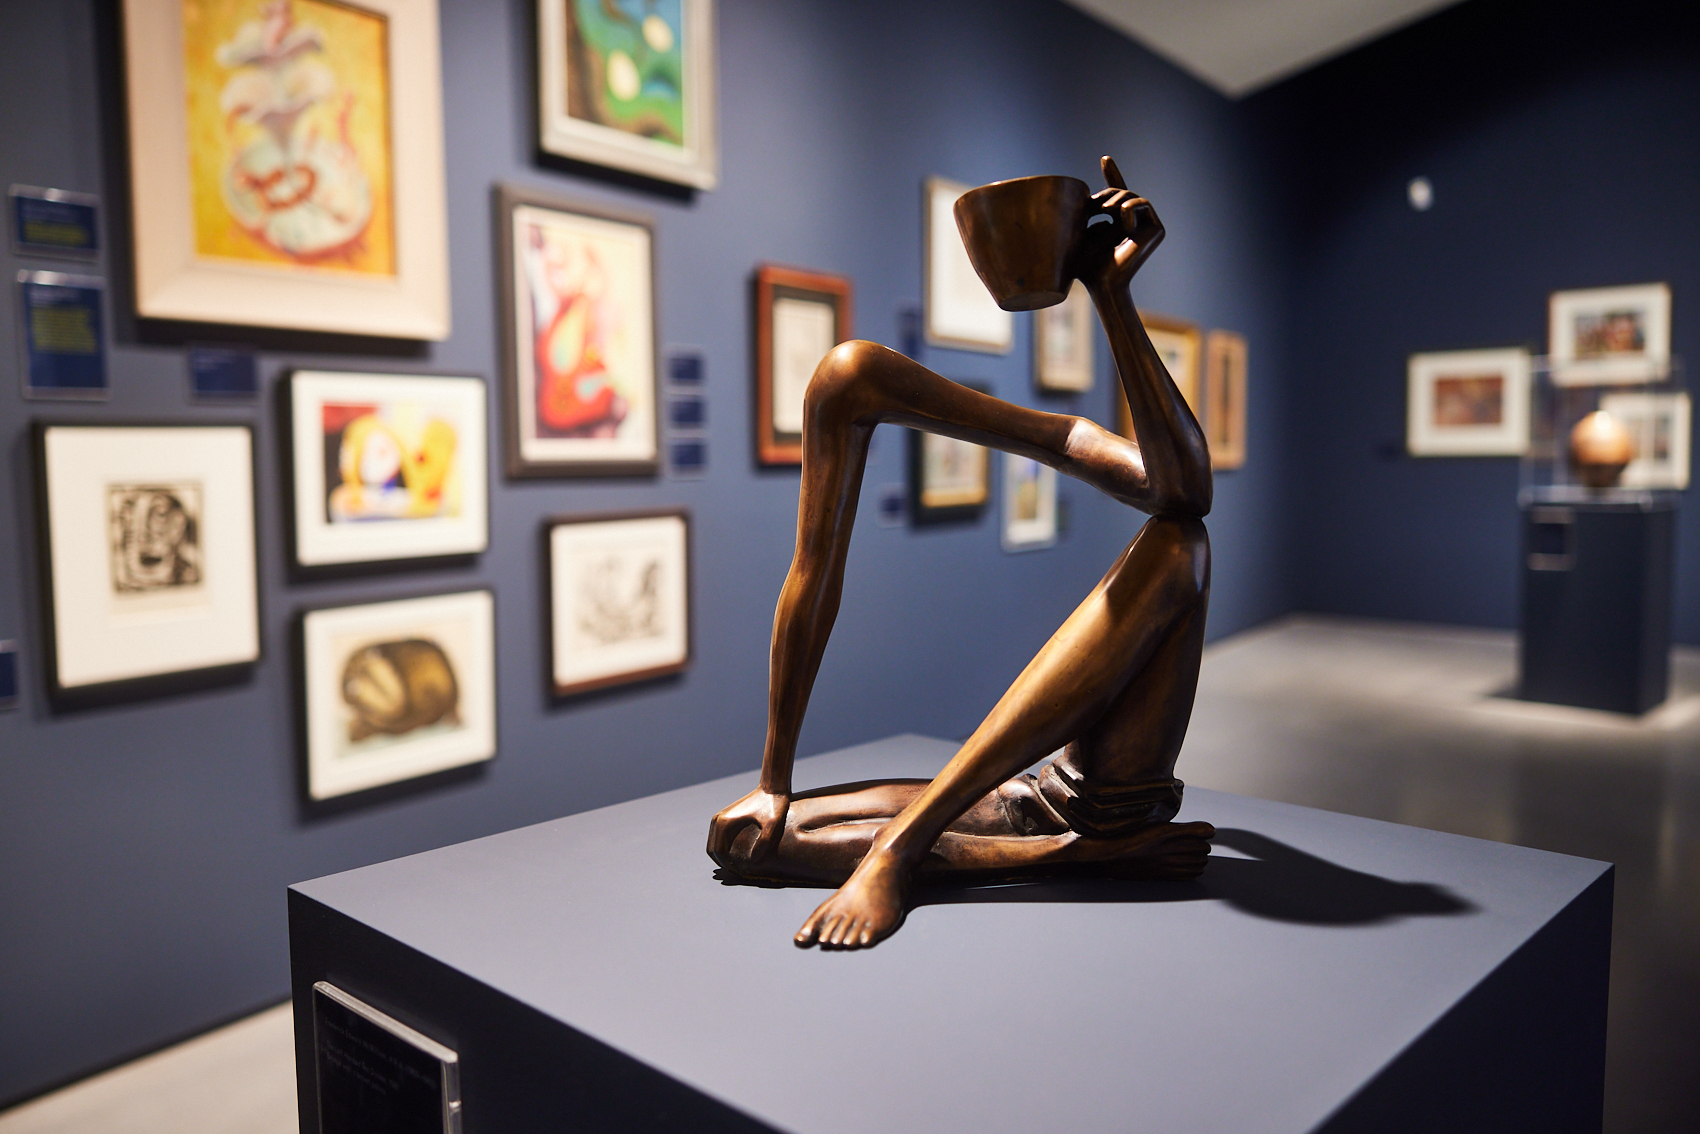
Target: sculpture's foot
[(1162, 852), (867, 909)]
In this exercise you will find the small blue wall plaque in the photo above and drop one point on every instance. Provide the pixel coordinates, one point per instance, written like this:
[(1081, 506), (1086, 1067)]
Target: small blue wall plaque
[(689, 459), (63, 336), (684, 369), (8, 675), (223, 373), (687, 411), (54, 222)]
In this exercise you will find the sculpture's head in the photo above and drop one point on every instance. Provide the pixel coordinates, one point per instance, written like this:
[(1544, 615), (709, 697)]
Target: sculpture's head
[(1022, 236)]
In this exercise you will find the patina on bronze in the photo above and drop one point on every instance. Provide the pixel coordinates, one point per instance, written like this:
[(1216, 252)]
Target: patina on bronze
[(1114, 684)]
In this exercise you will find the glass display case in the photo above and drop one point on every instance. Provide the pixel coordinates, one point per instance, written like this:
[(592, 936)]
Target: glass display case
[(1651, 414)]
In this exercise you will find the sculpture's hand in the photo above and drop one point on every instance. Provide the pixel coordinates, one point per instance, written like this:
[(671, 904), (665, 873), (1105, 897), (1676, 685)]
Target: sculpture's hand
[(1116, 250), (764, 810)]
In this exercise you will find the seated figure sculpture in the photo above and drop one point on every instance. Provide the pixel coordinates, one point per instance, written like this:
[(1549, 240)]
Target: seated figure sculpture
[(1113, 687)]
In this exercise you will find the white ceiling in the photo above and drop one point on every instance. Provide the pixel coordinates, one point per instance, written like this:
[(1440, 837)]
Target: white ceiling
[(1238, 46)]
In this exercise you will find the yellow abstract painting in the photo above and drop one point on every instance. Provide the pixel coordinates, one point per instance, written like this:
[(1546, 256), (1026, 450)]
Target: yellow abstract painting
[(289, 134)]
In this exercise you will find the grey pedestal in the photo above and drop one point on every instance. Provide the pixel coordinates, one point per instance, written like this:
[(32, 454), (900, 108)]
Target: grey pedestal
[(1327, 972)]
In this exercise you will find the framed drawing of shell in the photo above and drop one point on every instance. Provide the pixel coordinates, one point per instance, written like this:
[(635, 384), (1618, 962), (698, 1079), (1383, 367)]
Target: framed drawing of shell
[(148, 539), (629, 84), (619, 598), (286, 164), (396, 690)]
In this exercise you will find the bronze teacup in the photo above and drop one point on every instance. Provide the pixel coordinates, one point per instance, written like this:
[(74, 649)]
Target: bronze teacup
[(1022, 236)]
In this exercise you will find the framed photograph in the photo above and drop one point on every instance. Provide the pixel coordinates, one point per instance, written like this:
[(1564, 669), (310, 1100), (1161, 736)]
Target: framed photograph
[(1029, 504), (1468, 403), (619, 598), (959, 311), (1062, 344), (387, 466), (1660, 424), (800, 316), (148, 532), (948, 479), (286, 163), (1179, 344), (396, 690), (1609, 334), (630, 84), (578, 338), (1224, 398)]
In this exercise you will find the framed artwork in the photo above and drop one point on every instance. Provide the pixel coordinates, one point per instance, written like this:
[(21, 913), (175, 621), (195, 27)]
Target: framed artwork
[(1609, 335), (387, 466), (1029, 504), (619, 598), (800, 316), (396, 690), (630, 84), (1179, 344), (148, 532), (1062, 344), (578, 338), (274, 179), (948, 479), (959, 311), (1468, 403), (1661, 426), (1224, 398)]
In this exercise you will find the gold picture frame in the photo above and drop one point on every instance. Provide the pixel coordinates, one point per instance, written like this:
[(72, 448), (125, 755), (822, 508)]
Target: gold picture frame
[(1224, 398), (1179, 344), (325, 212)]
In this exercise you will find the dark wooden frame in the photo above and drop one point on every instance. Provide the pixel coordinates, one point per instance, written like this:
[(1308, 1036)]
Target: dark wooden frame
[(507, 198), (285, 407), (774, 282), (167, 683), (921, 514), (548, 526), (303, 716), (1225, 385)]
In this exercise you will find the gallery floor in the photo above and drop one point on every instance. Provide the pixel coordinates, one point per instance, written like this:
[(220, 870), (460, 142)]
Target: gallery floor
[(1386, 720)]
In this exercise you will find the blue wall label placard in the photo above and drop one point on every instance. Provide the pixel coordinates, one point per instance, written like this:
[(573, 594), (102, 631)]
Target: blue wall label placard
[(688, 458), (223, 372), (8, 675), (687, 411), (54, 222), (64, 342), (684, 369)]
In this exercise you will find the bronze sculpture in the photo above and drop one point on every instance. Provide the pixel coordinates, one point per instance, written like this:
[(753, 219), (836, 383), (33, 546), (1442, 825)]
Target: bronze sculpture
[(1115, 683)]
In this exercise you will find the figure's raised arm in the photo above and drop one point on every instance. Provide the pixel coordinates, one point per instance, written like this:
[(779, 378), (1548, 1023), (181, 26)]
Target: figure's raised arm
[(1174, 458)]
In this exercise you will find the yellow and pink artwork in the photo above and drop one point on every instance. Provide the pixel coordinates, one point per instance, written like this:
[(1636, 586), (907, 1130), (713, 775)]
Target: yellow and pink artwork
[(290, 153)]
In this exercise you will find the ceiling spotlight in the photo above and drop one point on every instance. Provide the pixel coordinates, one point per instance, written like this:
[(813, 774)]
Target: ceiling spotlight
[(1420, 193)]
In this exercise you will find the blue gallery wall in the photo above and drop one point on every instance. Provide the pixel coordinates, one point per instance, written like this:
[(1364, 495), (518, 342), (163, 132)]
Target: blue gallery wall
[(1563, 142), (144, 848)]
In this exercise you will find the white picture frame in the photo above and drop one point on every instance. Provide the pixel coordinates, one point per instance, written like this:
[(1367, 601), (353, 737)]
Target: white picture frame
[(308, 289), (958, 310), (1029, 504), (387, 466), (1661, 424), (149, 532), (1609, 335), (695, 159), (1467, 403), (1063, 344), (619, 598), (439, 652)]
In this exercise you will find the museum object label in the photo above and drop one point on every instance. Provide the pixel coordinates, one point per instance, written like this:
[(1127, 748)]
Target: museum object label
[(54, 222), (222, 373), (63, 335), (376, 1075)]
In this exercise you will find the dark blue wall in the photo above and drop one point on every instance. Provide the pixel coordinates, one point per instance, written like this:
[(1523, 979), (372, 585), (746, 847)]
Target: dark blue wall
[(1563, 142), (144, 849)]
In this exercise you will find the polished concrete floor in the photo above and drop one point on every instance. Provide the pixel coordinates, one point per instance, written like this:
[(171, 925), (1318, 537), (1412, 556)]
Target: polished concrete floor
[(1386, 720), (1405, 723)]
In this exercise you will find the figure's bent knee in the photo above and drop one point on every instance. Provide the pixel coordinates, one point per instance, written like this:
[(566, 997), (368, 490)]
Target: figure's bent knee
[(843, 376)]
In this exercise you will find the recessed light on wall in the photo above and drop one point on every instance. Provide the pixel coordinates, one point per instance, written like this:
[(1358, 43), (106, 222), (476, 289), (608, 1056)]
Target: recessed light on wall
[(1420, 193)]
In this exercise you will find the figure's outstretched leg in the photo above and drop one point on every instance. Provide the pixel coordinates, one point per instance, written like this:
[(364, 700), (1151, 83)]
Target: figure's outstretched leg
[(1154, 595)]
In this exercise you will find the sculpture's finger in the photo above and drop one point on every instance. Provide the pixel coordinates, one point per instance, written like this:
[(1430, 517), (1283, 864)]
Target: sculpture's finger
[(1112, 175)]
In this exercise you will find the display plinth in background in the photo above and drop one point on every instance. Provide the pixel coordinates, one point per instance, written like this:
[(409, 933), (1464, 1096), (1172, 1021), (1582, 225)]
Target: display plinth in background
[(1327, 972)]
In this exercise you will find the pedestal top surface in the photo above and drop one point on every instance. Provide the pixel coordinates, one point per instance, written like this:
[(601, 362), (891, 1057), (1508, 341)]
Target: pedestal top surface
[(1314, 949)]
